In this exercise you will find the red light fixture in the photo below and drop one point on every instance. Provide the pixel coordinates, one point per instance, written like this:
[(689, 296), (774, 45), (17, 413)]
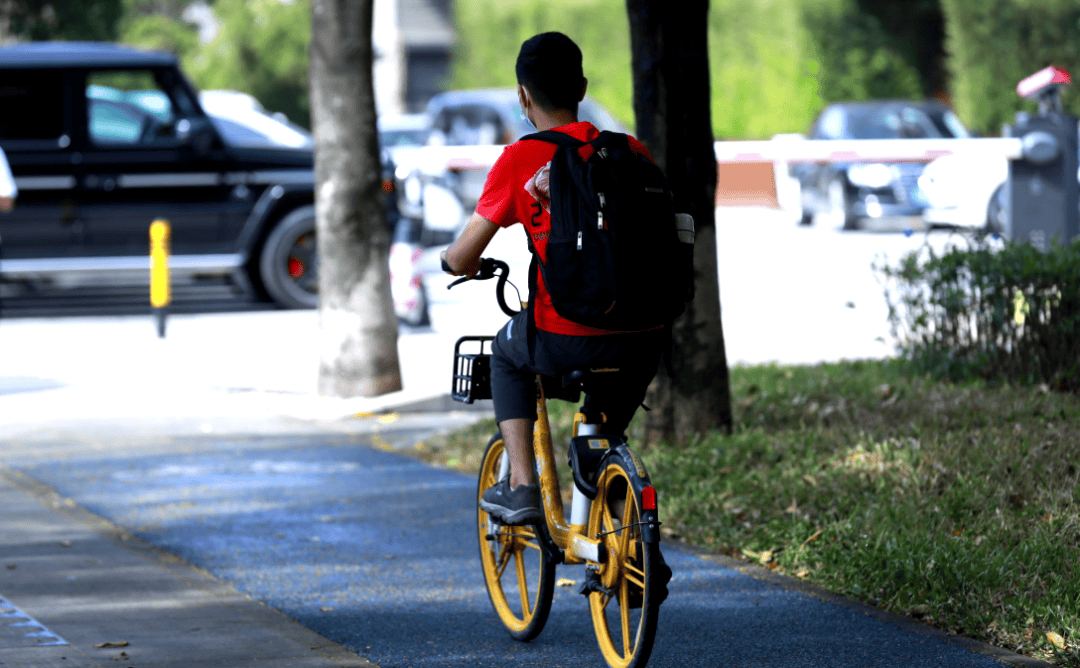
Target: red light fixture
[(1035, 83), (648, 498)]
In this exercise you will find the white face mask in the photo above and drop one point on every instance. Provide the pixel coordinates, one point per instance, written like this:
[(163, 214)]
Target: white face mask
[(528, 120)]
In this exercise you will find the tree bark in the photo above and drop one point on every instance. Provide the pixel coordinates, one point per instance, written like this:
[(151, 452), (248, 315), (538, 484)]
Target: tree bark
[(672, 105), (359, 329)]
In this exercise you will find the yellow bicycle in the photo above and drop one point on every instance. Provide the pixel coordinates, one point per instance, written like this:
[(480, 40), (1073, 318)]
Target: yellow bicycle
[(613, 528)]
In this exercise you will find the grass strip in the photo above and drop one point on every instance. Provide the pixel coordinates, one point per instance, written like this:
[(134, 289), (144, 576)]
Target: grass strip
[(956, 504)]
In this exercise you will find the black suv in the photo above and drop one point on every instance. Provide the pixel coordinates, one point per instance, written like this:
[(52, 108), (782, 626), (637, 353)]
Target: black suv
[(104, 139)]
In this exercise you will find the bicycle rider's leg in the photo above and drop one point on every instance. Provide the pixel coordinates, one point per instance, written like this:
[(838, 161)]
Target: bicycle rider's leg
[(517, 435), (638, 358), (513, 389)]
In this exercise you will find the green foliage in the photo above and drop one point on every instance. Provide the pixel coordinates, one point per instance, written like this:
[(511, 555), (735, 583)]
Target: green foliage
[(1011, 314), (773, 65), (94, 20), (490, 33), (993, 44), (856, 58), (952, 503), (261, 49), (160, 33), (763, 81)]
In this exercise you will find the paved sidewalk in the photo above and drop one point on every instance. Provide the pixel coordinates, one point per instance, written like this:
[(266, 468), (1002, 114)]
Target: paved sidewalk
[(77, 592)]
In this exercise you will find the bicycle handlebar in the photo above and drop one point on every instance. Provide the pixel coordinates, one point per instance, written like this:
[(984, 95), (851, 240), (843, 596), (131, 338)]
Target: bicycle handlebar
[(489, 268)]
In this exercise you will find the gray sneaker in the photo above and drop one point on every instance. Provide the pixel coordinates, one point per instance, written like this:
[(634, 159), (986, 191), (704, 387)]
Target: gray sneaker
[(520, 505)]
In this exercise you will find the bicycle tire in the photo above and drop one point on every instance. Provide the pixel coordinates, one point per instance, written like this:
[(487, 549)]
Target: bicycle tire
[(625, 614), (521, 599)]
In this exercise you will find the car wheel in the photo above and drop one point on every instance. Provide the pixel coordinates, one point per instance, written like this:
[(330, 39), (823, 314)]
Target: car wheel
[(997, 213), (840, 206), (288, 264)]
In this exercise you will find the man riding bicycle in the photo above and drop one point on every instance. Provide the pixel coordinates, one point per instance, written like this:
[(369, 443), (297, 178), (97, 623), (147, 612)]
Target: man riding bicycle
[(551, 83)]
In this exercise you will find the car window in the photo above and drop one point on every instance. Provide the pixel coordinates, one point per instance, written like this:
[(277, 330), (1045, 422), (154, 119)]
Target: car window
[(470, 125), (949, 124), (116, 122), (889, 123), (403, 137), (130, 107), (32, 107)]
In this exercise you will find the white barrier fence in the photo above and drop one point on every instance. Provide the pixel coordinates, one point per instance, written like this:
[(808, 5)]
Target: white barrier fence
[(755, 172), (783, 148)]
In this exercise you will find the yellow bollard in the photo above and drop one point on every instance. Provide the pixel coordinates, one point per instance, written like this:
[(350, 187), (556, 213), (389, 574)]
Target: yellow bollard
[(159, 272)]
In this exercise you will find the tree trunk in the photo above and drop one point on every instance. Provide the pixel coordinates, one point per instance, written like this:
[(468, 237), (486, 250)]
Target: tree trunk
[(670, 60), (359, 328)]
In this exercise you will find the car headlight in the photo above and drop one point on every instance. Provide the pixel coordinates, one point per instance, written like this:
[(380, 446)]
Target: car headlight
[(874, 175)]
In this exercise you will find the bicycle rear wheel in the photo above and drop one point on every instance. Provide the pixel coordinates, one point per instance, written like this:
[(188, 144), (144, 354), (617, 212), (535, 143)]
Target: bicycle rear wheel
[(624, 611), (519, 574)]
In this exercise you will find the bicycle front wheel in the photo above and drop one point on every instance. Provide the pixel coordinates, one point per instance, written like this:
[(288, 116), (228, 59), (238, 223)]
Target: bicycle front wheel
[(519, 574), (625, 609)]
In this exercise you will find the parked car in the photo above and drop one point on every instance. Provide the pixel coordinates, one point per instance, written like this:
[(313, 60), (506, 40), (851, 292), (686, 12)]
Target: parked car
[(847, 193), (243, 122), (404, 130), (967, 192), (104, 139)]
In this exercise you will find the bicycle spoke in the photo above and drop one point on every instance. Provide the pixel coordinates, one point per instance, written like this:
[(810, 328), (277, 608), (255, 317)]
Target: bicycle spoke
[(504, 559), (604, 600), (624, 614), (523, 584), (631, 572), (628, 507)]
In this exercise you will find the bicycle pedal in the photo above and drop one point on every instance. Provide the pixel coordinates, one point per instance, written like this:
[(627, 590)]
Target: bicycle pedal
[(592, 584)]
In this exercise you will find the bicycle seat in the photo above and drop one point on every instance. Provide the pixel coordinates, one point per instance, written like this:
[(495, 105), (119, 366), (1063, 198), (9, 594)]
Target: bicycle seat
[(582, 379)]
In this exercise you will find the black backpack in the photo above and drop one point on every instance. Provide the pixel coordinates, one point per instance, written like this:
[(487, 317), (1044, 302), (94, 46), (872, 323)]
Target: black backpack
[(615, 258)]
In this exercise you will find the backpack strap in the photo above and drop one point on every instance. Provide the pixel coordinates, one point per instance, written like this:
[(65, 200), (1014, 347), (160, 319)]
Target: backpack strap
[(585, 149), (554, 137)]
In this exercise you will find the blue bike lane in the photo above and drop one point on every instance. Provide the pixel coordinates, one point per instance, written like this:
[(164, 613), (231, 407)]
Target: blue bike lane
[(377, 551)]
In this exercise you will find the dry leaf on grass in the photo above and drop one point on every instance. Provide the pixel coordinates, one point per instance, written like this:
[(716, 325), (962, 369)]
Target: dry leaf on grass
[(1055, 638)]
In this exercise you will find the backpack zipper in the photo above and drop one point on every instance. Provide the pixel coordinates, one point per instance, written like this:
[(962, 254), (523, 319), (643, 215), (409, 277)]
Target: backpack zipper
[(599, 215)]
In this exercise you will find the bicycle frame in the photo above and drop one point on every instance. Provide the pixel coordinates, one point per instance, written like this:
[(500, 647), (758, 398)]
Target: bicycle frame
[(570, 537)]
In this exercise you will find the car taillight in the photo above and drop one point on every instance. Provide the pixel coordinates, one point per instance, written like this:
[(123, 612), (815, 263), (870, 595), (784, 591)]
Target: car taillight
[(388, 185)]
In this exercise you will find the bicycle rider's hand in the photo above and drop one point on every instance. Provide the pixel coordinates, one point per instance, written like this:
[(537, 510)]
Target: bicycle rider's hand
[(465, 252)]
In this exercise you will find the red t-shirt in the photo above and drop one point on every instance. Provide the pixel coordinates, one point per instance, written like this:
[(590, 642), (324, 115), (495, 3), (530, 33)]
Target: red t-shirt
[(516, 192)]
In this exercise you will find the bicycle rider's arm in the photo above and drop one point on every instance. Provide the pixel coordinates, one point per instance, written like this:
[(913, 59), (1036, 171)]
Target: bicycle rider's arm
[(463, 255)]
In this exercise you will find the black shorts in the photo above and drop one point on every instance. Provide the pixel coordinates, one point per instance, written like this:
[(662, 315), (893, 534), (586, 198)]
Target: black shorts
[(513, 373)]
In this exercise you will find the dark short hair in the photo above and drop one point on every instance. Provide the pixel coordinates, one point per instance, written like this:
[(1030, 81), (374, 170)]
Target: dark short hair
[(549, 67)]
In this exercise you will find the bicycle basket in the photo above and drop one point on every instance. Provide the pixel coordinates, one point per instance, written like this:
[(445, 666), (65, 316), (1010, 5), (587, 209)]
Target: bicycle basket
[(472, 371)]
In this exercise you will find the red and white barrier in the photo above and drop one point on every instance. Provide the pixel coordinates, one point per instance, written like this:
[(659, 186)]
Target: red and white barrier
[(754, 172)]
